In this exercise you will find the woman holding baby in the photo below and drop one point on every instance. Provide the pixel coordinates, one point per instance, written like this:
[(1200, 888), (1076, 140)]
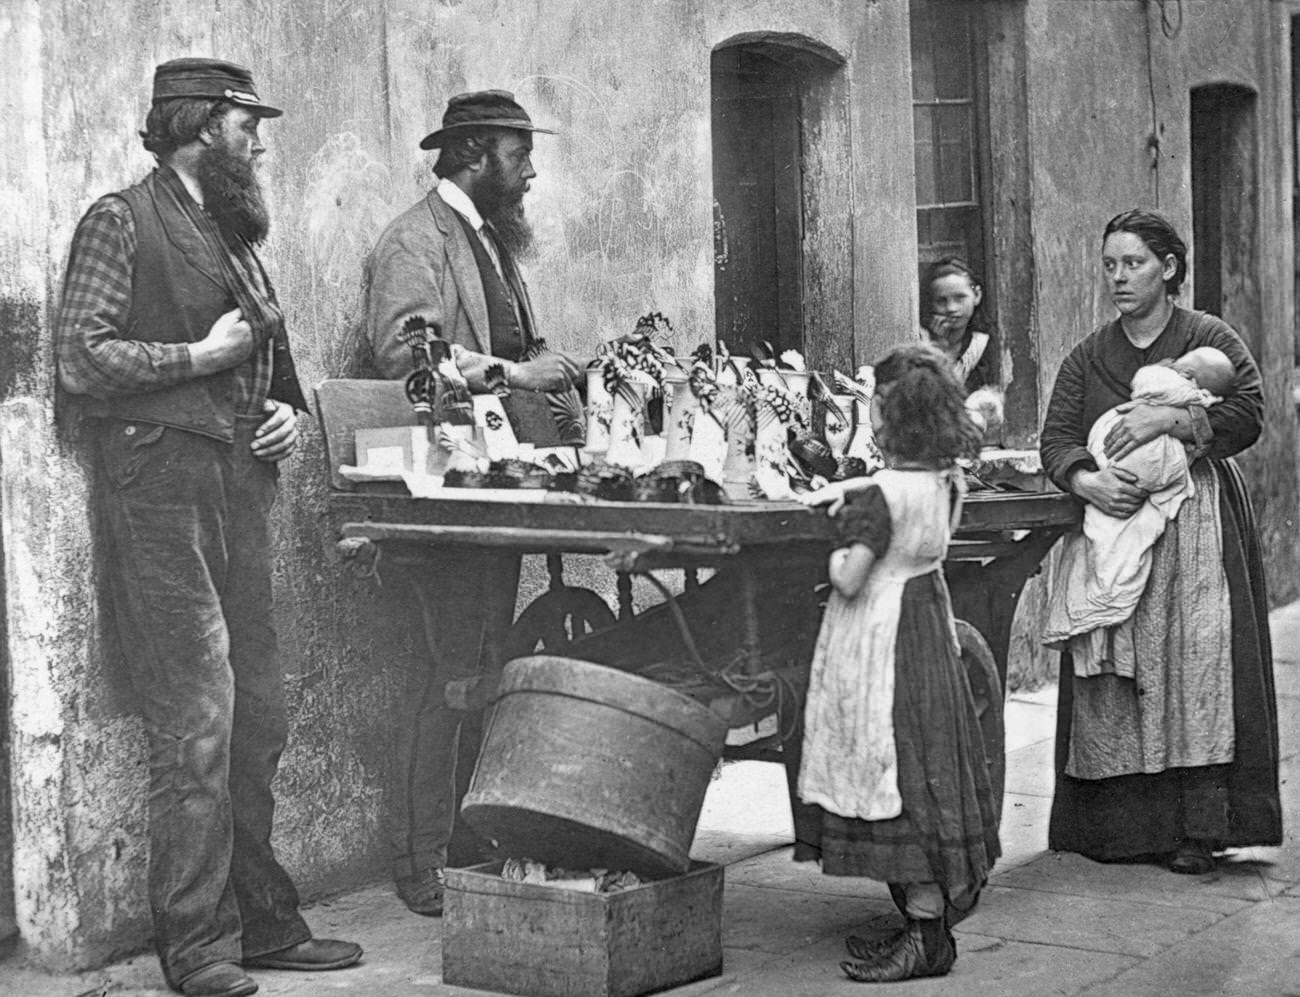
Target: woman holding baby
[(1167, 743)]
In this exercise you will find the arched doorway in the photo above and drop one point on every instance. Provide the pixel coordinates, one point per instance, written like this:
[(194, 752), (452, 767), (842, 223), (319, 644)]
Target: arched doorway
[(782, 198)]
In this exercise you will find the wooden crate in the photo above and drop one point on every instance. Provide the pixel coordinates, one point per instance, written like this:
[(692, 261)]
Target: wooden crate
[(545, 941)]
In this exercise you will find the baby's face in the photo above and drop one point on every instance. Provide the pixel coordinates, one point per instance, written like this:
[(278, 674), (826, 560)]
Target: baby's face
[(1189, 369)]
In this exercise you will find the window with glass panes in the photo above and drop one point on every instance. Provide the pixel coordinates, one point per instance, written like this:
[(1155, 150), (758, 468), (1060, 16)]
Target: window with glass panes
[(946, 123)]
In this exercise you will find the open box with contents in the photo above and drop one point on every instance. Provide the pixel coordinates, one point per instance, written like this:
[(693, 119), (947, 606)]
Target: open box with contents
[(549, 941)]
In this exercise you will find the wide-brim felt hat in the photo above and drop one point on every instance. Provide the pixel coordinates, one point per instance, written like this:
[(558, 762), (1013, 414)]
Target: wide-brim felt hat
[(481, 109), (212, 79)]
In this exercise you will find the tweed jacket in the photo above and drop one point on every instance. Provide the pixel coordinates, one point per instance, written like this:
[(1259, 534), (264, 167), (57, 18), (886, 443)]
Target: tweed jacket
[(423, 265)]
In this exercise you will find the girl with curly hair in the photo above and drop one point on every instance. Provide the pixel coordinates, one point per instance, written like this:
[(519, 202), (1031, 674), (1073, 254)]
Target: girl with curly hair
[(892, 752)]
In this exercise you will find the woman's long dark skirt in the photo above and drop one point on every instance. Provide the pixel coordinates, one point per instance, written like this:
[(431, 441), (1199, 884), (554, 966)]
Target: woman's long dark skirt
[(1232, 805)]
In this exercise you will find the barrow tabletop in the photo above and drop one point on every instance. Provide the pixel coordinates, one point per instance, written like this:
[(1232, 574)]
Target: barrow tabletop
[(741, 524)]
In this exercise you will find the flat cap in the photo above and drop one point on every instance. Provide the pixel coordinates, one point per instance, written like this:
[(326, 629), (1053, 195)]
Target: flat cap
[(213, 79), (481, 109)]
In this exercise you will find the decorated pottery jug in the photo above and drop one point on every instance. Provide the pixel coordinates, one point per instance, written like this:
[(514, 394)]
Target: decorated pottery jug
[(733, 411), (493, 427), (838, 428), (771, 452), (682, 407), (600, 409), (627, 425)]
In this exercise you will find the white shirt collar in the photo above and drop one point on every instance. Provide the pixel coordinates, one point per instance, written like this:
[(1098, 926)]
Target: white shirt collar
[(460, 202)]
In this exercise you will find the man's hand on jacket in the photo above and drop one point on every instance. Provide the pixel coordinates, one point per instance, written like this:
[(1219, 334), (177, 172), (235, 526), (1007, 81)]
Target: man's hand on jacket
[(277, 437), (228, 344)]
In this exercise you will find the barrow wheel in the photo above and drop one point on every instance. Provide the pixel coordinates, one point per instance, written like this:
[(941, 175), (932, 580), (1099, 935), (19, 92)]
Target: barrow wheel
[(986, 688), (555, 619)]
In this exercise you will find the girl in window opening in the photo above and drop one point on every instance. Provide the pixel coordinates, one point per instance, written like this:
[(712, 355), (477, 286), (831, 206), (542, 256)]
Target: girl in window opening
[(892, 752), (953, 318)]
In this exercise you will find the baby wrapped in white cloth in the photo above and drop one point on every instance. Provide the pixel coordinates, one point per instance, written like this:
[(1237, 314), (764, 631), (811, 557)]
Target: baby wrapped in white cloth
[(1104, 569)]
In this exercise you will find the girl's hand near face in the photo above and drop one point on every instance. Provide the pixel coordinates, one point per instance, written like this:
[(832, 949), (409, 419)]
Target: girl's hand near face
[(1113, 491)]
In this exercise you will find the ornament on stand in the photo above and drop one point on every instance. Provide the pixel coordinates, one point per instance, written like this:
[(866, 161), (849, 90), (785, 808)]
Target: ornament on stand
[(629, 374), (862, 443), (490, 415), (728, 369), (734, 408), (440, 397), (635, 357), (680, 409), (786, 371), (708, 446), (600, 407), (774, 413)]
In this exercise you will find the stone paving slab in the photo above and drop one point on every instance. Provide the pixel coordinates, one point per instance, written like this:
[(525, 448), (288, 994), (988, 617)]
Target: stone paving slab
[(986, 967), (1225, 891), (1029, 719), (1067, 921), (757, 789), (1023, 830), (782, 921), (1253, 953), (779, 871), (1031, 770)]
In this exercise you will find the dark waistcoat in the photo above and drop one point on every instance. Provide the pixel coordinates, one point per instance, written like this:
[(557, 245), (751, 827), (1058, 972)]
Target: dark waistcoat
[(177, 293), (508, 338)]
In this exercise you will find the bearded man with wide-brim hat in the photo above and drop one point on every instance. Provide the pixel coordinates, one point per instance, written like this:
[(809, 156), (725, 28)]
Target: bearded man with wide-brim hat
[(171, 342), (453, 261)]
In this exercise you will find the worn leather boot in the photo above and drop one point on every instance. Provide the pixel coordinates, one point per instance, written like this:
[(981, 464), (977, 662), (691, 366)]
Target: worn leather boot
[(423, 892), (221, 979), (925, 948)]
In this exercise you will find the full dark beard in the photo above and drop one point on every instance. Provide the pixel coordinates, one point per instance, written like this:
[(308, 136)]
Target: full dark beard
[(514, 231), (505, 211), (232, 194)]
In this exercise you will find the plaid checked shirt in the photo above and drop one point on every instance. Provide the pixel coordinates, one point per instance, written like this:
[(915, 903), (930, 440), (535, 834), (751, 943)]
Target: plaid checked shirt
[(93, 359)]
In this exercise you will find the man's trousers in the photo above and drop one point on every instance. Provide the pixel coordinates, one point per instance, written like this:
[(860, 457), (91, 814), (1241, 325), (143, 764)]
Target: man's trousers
[(189, 550)]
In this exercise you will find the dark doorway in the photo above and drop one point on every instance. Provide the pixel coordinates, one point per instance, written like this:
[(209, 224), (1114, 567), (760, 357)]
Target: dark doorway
[(757, 192), (780, 187), (1225, 263)]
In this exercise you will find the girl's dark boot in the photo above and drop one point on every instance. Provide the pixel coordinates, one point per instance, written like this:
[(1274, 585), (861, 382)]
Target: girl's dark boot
[(925, 948)]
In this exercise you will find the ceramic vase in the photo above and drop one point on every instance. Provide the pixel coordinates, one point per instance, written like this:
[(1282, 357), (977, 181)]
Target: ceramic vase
[(600, 409), (863, 442), (796, 382), (708, 445), (738, 466), (493, 427), (771, 453), (627, 426), (838, 430), (682, 408)]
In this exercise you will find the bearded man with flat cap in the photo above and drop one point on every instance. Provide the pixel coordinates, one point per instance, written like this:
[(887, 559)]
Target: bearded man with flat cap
[(170, 339), (452, 259)]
